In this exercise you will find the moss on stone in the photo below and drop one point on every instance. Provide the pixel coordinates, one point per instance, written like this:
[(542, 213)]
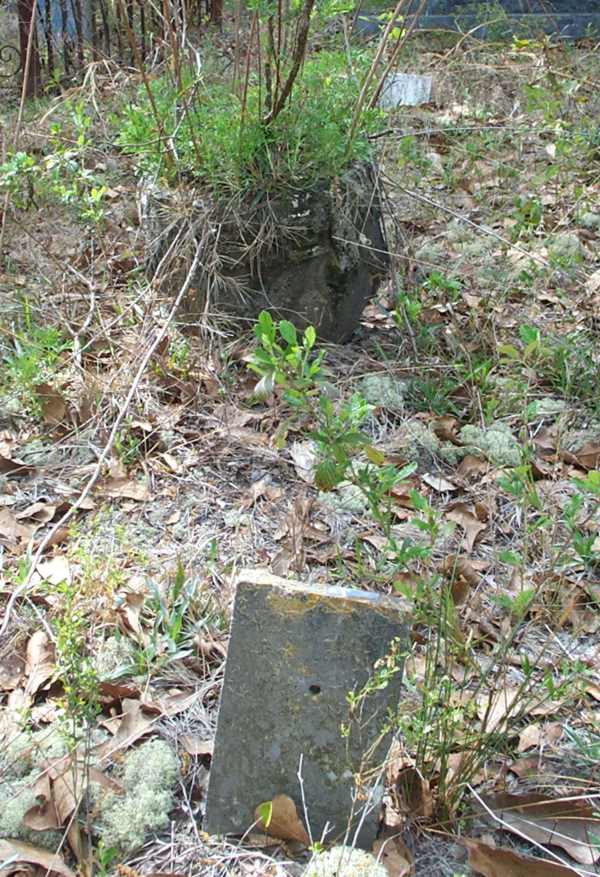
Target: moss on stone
[(343, 861), (149, 775)]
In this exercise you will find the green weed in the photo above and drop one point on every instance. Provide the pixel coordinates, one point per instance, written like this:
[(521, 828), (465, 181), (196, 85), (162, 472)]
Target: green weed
[(37, 356)]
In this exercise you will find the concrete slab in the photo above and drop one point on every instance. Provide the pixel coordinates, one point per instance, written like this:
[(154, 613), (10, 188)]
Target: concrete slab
[(295, 653)]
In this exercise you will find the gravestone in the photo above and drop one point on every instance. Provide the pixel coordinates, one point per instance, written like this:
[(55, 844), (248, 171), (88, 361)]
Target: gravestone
[(405, 90), (567, 19), (296, 652)]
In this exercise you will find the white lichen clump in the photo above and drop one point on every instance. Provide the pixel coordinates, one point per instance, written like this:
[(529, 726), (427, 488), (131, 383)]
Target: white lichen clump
[(344, 862), (384, 391), (149, 777), (20, 765), (16, 798), (115, 654), (496, 443)]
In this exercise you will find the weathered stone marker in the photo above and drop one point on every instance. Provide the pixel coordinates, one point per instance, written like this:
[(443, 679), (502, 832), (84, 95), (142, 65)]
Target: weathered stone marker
[(405, 90), (296, 651)]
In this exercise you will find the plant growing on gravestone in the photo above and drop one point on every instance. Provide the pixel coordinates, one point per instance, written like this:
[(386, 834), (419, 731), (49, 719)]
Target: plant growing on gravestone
[(282, 116)]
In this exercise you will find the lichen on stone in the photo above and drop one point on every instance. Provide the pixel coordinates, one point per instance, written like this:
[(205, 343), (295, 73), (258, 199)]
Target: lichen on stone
[(496, 443), (341, 861), (149, 775)]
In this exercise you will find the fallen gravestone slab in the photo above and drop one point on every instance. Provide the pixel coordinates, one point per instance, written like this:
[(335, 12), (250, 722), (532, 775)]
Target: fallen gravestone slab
[(405, 90), (296, 652)]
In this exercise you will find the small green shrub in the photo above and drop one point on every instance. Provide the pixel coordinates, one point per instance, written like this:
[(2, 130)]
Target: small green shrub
[(217, 140), (35, 358), (59, 175)]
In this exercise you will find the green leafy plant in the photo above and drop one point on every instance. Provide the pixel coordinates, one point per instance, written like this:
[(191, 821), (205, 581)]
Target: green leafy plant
[(170, 613), (74, 666), (37, 355), (287, 360), (60, 174), (222, 140)]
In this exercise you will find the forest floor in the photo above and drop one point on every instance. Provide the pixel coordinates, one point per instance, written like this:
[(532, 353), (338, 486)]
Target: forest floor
[(481, 362)]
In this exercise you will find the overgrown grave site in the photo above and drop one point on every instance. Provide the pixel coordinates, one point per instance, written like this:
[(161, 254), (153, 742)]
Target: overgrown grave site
[(447, 454)]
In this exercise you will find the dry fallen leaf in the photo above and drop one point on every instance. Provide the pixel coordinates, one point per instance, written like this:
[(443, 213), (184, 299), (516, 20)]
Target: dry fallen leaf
[(125, 488), (12, 466), (12, 668), (569, 824), (261, 488), (16, 854), (446, 429), (133, 724), (54, 407), (39, 661), (12, 533), (304, 457), (42, 816), (472, 467), (279, 818), (439, 484), (499, 862), (54, 571), (129, 614), (588, 456), (593, 689), (465, 518), (494, 707), (463, 576), (42, 512), (592, 284), (170, 702), (538, 734), (395, 857), (414, 793), (196, 746)]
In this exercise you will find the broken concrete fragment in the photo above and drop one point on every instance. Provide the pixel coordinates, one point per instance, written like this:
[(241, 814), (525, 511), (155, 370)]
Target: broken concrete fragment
[(405, 90), (295, 654)]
